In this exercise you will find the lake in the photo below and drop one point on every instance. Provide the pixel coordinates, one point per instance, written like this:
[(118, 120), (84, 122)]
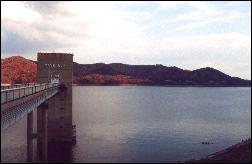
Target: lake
[(145, 124)]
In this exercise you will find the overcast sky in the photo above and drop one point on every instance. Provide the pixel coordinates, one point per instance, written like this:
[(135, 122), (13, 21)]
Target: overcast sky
[(188, 35)]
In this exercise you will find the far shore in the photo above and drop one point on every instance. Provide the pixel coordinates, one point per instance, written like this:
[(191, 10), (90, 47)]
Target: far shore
[(238, 153), (162, 85)]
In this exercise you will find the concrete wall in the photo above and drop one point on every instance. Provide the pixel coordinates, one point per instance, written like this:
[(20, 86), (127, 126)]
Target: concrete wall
[(59, 106)]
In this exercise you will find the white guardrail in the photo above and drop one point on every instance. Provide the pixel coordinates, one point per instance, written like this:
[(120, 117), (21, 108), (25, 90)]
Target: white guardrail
[(21, 91)]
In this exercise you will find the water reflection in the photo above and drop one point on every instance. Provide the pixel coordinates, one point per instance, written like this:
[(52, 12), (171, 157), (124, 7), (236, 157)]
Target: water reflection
[(60, 152), (145, 124), (157, 124)]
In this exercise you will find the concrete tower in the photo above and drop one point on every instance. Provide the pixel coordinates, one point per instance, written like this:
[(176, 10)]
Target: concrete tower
[(51, 68)]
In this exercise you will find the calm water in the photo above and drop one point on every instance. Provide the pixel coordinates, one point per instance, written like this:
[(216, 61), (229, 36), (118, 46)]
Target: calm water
[(145, 124)]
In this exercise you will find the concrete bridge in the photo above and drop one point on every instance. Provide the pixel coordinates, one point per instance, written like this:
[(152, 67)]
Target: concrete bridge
[(51, 96)]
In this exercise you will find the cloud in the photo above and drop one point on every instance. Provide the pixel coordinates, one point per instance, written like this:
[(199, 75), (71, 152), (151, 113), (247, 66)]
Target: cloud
[(49, 9), (185, 34), (17, 11), (21, 36), (169, 4)]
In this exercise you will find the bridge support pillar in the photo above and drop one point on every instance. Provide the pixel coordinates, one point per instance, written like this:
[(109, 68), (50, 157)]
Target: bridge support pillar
[(30, 137), (42, 131)]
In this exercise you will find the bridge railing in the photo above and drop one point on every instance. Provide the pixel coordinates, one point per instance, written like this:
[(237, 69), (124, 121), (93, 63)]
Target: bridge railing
[(16, 93), (9, 86)]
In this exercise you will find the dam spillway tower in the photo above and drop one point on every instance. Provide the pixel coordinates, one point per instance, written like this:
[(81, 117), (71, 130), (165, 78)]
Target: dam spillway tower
[(57, 68)]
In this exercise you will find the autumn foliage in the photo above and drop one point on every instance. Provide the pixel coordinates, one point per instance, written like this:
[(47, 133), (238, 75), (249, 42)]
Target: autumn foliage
[(18, 70), (109, 79)]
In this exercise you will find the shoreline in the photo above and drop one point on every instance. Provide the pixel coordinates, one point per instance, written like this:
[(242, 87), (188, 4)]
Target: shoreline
[(238, 153), (245, 86)]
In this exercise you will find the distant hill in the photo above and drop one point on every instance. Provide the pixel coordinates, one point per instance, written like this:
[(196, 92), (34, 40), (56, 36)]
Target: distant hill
[(152, 75), (21, 70), (17, 69)]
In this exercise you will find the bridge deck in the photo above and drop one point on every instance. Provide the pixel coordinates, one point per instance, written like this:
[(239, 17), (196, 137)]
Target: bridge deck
[(17, 102)]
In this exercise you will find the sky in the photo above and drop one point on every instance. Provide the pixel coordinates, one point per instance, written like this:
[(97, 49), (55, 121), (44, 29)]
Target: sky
[(189, 35)]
